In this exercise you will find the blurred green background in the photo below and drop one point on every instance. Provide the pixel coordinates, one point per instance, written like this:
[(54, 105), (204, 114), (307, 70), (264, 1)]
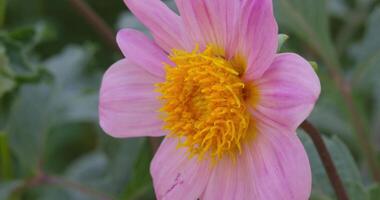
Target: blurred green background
[(52, 61)]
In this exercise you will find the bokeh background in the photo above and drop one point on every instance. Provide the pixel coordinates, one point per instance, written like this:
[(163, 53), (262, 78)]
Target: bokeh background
[(52, 61)]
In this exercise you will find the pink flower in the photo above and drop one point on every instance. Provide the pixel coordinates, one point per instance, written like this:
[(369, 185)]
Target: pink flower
[(229, 106)]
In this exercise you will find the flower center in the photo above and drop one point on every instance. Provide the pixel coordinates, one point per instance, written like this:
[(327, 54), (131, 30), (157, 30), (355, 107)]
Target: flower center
[(204, 103)]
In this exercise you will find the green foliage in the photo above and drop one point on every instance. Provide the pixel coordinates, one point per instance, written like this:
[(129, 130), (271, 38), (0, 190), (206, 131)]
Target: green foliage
[(344, 163), (308, 20), (51, 63), (374, 192)]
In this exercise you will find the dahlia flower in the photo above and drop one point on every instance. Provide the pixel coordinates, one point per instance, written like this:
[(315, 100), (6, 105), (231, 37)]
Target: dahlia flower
[(211, 82)]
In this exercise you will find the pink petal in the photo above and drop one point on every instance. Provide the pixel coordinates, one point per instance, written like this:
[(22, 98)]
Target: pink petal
[(165, 26), (211, 22), (128, 104), (140, 50), (175, 176), (287, 92), (274, 167), (258, 36)]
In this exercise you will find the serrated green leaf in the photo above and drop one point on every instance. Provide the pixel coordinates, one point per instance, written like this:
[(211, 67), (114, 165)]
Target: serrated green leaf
[(308, 19), (7, 82), (40, 107)]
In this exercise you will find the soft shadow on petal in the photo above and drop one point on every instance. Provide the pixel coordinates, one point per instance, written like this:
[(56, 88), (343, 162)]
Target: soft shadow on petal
[(142, 51), (287, 92), (211, 22), (164, 24), (258, 39), (128, 104), (175, 176), (274, 166)]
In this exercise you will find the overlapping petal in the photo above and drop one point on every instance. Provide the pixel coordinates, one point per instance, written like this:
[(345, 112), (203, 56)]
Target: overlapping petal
[(287, 92), (165, 25), (274, 167), (258, 36), (175, 176), (128, 105), (210, 22), (142, 51)]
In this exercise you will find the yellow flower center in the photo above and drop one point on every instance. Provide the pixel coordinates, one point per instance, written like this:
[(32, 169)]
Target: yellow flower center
[(204, 103)]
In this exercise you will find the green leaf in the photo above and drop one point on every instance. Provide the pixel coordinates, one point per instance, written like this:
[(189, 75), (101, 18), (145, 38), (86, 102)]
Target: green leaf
[(66, 98), (3, 4), (75, 96), (6, 85), (18, 53), (7, 188), (367, 53), (28, 124), (107, 171), (7, 82), (308, 19), (140, 186), (374, 192), (338, 8), (122, 155), (366, 73), (345, 164), (88, 171)]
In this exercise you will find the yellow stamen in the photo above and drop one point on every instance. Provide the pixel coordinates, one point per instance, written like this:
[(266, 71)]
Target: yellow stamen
[(204, 103)]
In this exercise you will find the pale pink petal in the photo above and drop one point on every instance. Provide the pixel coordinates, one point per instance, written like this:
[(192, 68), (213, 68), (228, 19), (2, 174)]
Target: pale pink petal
[(258, 36), (165, 25), (128, 105), (287, 92), (175, 176), (142, 51), (274, 166), (211, 22)]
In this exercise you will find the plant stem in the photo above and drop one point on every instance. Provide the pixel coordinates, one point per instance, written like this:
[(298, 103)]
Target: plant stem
[(41, 178), (76, 186), (97, 23), (326, 159)]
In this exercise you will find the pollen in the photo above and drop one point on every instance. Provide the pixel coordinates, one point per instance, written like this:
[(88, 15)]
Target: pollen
[(204, 105)]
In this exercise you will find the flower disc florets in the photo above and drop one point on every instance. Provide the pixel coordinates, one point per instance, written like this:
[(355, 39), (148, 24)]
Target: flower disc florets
[(204, 103)]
